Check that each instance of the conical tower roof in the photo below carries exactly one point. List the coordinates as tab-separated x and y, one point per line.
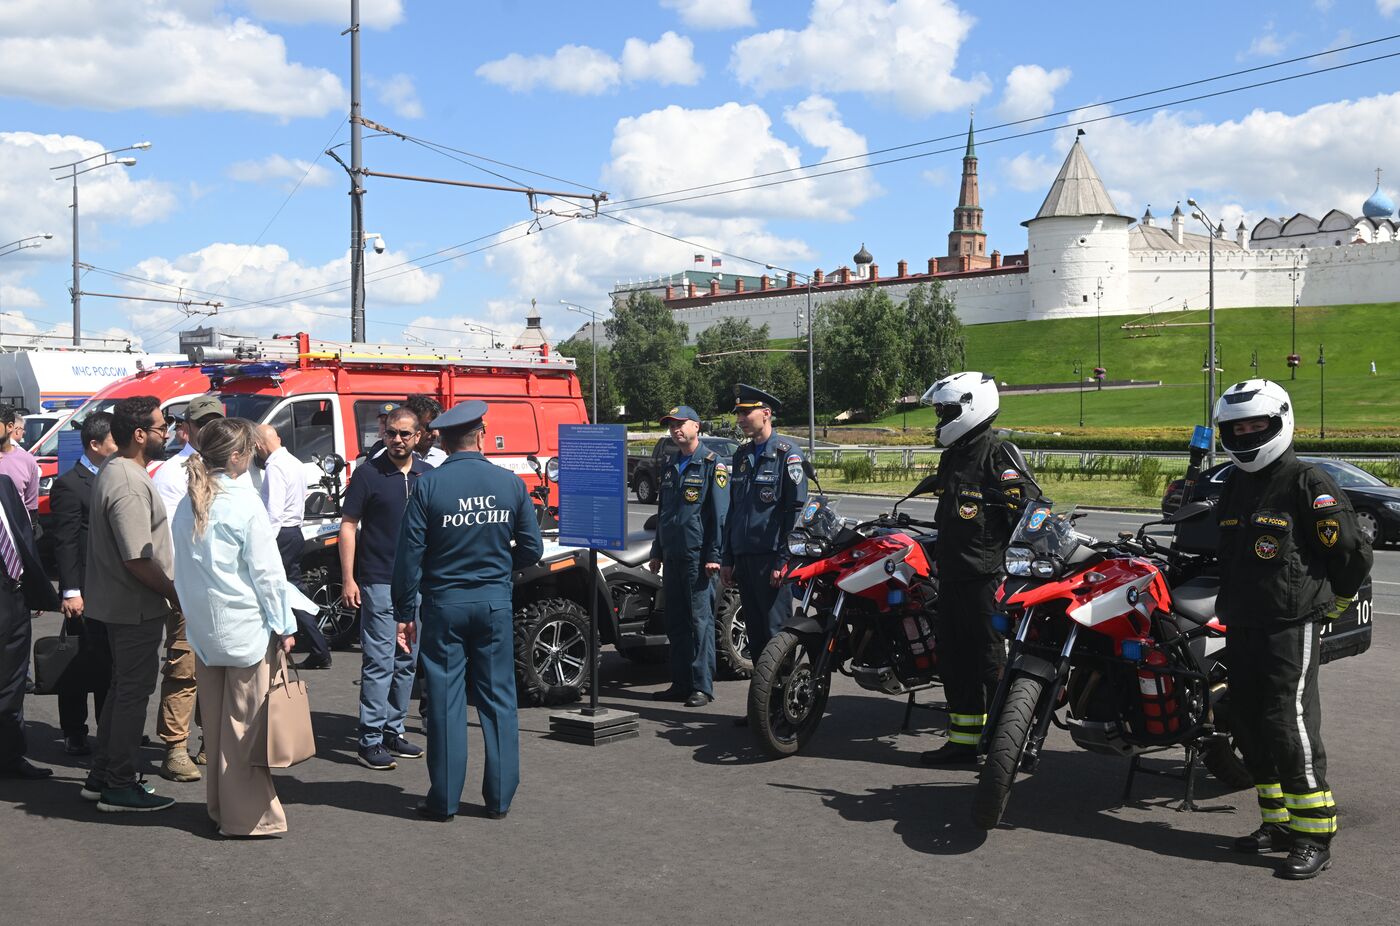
1077	190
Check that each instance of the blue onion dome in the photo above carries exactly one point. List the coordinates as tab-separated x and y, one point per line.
1379	206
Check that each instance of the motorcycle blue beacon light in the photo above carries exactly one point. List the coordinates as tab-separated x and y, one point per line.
896	596
1001	623
1132	650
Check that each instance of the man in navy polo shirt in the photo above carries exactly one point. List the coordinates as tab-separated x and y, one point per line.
374	504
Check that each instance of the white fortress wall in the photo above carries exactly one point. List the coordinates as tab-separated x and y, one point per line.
1347	275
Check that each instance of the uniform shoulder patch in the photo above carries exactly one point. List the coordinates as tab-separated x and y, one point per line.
721	475
1328	530
794	458
1009	474
1324	501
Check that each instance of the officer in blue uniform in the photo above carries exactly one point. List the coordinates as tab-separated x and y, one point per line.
770	488
689	536
468	526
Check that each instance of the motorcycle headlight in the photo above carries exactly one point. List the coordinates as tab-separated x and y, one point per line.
1390	506
797	544
551	469
1043	569
45	485
1018	562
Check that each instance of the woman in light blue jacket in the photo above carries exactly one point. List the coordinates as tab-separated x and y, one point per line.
237	606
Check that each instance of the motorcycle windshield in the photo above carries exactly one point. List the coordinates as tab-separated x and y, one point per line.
1043	542
820	519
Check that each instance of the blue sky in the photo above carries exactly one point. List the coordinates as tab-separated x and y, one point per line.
640	97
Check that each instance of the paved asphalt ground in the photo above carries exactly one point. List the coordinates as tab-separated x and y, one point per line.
688	824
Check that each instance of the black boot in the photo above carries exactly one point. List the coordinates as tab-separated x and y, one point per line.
1268	838
1308	859
950	754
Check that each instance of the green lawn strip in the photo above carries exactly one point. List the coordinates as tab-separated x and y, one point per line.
1109	493
1045	351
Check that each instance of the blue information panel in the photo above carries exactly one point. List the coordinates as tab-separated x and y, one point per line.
593	486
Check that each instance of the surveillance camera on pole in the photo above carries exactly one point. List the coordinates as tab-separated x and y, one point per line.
379	246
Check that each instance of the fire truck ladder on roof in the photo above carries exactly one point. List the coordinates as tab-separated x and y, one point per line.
290	351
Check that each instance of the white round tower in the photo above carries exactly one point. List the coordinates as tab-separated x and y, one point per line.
1078	245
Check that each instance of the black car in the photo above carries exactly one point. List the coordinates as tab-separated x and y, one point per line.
644	473
1376	502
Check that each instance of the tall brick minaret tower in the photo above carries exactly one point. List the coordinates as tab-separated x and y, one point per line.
967	243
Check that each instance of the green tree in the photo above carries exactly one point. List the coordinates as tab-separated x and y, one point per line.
936	346
719	374
647	355
861	351
581	350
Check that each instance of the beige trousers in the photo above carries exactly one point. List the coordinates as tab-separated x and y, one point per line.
177	686
233	703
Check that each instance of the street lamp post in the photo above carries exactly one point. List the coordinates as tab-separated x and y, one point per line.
811	366
1210	353
491	333
1293	358
593	325
73	171
23	243
1098	332
1322	392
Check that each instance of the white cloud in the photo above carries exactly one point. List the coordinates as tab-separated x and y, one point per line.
712	14
668	60
376	14
286	172
1387	7
900	51
17	297
1266	163
31	202
677	148
168	55
587	71
266	273
1268	44
399	94
571	69
1030	91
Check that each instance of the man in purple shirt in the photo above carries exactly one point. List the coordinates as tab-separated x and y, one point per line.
17	463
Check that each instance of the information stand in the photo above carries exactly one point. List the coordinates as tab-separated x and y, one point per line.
593	514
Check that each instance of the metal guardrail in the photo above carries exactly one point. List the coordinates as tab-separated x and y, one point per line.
907	456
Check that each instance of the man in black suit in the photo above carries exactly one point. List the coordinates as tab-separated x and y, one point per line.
91	670
23	588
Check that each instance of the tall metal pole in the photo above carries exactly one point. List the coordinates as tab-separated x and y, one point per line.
1322	391
811	379
1098	330
357	220
77	291
594	377
1293	367
1210	375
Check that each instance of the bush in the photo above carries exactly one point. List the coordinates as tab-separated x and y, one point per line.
858	469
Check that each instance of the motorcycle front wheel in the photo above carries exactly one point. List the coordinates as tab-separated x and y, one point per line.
786	698
1004	753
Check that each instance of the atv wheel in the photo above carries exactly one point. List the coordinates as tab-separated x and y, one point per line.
1004	755
551	652
732	658
786	699
338	624
646	490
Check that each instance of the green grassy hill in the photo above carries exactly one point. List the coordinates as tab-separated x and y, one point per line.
1046	351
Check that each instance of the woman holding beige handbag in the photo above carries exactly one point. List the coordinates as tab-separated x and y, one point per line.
238	616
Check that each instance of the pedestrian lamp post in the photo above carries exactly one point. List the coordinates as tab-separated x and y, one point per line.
1079	378
594	318
74	169
1205	220
1099	371
1322	392
1293	358
811	366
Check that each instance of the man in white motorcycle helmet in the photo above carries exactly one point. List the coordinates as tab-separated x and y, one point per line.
981	481
1293	558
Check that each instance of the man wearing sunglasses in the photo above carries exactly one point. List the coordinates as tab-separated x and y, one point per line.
369	536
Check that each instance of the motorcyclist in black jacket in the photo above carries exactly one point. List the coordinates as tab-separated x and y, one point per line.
1291	557
981	481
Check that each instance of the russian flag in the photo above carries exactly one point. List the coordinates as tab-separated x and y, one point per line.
714	261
